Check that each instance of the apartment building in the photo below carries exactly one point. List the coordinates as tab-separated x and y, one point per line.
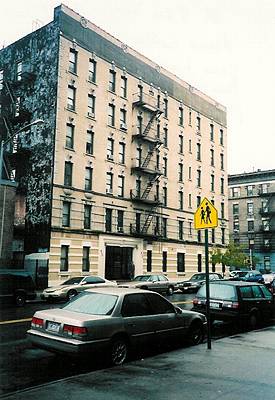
126	153
251	215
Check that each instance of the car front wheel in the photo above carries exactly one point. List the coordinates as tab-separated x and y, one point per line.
119	351
170	290
20	299
195	334
71	294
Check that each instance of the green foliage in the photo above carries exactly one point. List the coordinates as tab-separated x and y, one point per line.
233	256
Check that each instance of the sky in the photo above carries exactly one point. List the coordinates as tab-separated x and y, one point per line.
225	48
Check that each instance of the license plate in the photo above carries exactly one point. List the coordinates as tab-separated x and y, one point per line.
214	305
53	326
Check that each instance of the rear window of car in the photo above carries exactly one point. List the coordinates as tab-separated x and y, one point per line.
92	303
219	291
72	281
93	279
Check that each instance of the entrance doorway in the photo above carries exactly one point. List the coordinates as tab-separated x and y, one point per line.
119	263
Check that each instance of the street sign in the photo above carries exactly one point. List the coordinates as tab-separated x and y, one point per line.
206	215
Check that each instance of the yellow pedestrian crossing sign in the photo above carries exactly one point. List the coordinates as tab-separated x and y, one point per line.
206	215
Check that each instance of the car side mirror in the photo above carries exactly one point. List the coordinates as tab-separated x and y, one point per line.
83	283
178	310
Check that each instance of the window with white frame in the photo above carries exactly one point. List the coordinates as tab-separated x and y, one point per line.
89	142
19	70
121	180
123	119
111	115
123	87
250	208
73	61
110	148
71	98
92	70
121	154
112	80
181	144
91	106
86	259
109	182
70	136
87	216
88	178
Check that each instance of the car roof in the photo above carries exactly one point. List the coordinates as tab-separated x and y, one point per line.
233	283
115	290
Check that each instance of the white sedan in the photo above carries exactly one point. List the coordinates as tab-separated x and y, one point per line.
71	287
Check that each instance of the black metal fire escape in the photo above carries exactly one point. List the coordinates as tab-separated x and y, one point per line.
146	168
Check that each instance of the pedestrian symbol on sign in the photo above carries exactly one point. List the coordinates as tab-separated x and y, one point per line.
206	215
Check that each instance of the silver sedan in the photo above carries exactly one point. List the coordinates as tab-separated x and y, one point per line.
116	319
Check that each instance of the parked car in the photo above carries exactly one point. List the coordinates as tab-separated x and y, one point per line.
114	319
248	302
253	276
155	282
16	287
196	281
71	287
237	274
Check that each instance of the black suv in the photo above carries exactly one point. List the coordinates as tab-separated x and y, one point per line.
16	287
248	303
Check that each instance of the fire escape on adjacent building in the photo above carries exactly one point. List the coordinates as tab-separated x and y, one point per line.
267	211
146	169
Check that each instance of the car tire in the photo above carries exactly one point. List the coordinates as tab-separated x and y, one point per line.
71	294
195	334
170	290
119	351
253	321
20	299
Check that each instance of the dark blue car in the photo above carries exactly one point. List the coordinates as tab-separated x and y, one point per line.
252	276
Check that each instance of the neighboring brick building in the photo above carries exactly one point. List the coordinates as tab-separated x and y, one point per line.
127	152
252	215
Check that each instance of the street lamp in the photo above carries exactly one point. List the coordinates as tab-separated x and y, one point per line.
4	142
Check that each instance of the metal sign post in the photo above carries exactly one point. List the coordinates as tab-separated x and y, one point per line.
206	217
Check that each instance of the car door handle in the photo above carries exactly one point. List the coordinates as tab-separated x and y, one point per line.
131	324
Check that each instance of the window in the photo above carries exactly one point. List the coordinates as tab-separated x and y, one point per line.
198	126
190	173
19	68
164	189
198	200
158	101
246	292
110	148
121	180
222	185
181	200
236	224
212	183
212	157
180	230
180	116
190	118
165	110
135	305
199	178
180	172
149	260
66	213
250	208
235	192
165	137
190	200
111	115
265	207
64	258
190	227
88	178
264	188
158	131
139	125
265	222
91	106
180	262
222	160
250	226
121	154
190	146
223	235
68	173
1	78
120	219
212	132
108	220
86	259
73	61
138	187
222	210
71	98
159	304
123	87
112	80
109	183
92	71
138	219
70	136
164	261
157	161
198	151
123	119
249	190
17	106
221	137
165	166
235	208
199	262
90	142
87	216
164	227
181	144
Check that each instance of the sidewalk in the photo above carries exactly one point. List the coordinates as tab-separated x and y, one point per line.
240	367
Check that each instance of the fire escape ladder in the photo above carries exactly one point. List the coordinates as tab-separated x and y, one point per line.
147	190
148	220
10	92
148	157
154	116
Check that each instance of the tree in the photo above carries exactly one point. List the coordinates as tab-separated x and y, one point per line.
216	256
234	256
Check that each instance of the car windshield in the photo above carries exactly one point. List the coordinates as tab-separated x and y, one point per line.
92	303
72	281
198	277
225	292
142	278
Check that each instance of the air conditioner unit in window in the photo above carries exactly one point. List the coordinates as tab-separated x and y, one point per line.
120	229
110	157
123	126
91	114
109	191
